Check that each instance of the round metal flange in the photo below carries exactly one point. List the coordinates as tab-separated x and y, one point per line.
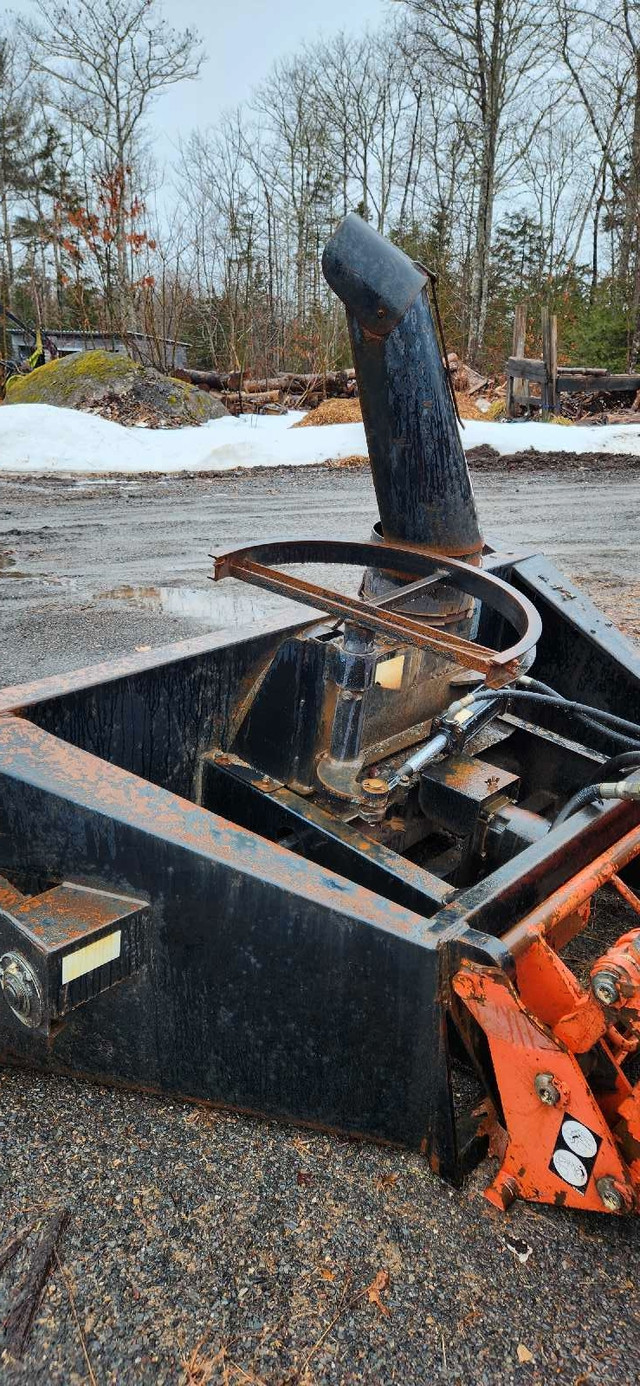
253	565
21	989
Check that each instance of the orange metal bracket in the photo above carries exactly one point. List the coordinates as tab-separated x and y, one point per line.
561	1147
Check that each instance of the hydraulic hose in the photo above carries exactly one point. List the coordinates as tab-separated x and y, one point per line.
603	720
626	743
629	760
596	715
593	722
591	793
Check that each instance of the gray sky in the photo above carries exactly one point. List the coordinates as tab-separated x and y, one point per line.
242	39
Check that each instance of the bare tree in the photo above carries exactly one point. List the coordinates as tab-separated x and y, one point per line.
105	61
494	52
600	47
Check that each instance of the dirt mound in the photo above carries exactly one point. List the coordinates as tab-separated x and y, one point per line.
117	388
488	459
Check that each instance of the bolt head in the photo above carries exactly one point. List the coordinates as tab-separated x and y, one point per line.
605	988
375	786
547	1089
21	989
612	1197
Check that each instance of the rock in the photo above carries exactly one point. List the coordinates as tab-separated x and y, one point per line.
114	386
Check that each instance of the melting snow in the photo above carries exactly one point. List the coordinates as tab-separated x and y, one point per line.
42	438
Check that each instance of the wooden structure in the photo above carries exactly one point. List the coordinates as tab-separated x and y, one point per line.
553	380
69	341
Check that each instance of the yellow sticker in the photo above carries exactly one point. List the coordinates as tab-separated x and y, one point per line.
389	672
104	950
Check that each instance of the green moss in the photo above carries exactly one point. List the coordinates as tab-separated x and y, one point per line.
65	380
90	378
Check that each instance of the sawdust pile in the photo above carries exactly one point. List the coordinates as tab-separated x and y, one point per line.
468	408
355	459
337	411
332	411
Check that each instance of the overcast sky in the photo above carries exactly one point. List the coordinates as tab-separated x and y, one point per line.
242	39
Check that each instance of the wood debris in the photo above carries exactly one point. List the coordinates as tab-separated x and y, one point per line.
28	1293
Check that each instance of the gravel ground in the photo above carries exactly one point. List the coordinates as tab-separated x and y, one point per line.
250	1245
205	1246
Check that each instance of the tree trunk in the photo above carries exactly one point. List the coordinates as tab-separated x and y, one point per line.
632	194
8	245
482	249
634	341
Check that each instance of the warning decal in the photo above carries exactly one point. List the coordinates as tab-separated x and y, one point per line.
574	1153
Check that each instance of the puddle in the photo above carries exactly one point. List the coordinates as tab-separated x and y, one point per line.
218	608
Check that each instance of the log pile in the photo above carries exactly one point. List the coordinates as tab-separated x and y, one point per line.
272	394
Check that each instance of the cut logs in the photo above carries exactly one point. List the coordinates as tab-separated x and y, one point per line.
289	390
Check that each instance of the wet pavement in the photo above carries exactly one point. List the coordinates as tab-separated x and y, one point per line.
92	568
239	1247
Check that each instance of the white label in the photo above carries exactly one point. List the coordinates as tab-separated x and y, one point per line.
104	950
570	1168
579	1139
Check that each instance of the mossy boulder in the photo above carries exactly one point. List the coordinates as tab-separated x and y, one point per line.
103	382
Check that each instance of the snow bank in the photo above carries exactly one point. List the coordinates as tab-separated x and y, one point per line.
42	438
508	438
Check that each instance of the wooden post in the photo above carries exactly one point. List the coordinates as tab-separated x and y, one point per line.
517	389
550	358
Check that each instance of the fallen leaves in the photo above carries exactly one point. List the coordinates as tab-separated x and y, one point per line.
386	1181
199	1370
379	1285
373	1293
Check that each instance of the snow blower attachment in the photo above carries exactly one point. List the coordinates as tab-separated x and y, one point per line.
365	872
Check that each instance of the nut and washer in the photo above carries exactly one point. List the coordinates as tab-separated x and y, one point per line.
605	988
547	1089
21	989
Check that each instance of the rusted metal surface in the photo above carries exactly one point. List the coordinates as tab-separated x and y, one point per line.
569	898
269	978
273	809
64	946
250	565
41	760
627	894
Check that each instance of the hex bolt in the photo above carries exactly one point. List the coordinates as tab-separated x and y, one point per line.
611	1195
508	1191
604	986
547	1090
